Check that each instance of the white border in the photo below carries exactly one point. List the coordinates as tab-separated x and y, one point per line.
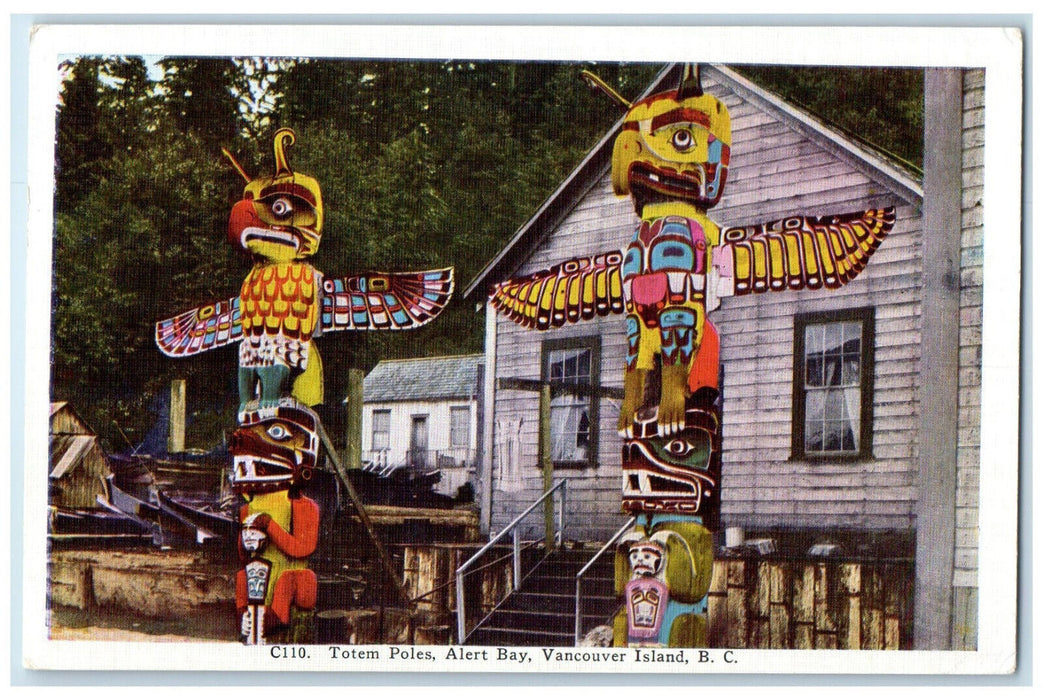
999	51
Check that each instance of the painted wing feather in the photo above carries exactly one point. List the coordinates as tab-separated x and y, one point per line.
801	252
385	300
572	291
200	329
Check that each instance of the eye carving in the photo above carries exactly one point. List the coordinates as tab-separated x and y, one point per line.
679	448
282	207
278	432
682	140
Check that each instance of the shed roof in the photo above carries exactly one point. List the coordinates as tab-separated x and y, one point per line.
423	379
873	163
68	451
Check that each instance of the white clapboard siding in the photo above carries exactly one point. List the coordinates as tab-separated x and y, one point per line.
965	574
776	171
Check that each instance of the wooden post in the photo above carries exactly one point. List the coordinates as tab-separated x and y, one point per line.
548	467
176	437
353	441
780	599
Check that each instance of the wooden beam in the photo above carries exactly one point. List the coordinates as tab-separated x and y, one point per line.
547	465
557	388
176	437
353	440
385	558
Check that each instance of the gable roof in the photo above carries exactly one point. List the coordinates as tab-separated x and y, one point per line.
871	162
423	379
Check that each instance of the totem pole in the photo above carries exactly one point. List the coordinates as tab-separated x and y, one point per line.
285	303
672	158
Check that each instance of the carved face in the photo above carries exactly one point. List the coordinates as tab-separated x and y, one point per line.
274	448
673	149
253	540
646	558
679	473
279	218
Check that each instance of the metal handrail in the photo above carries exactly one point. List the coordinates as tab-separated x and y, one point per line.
579	576
461	617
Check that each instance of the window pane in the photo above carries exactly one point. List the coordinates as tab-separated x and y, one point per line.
852	371
381	430
831	439
459	426
569	368
813	339
834	337
570	413
813	435
833	373
583	365
814	371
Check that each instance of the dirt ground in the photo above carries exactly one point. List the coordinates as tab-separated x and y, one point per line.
102	626
111	634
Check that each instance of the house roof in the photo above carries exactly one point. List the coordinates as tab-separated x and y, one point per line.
423	379
67	451
873	163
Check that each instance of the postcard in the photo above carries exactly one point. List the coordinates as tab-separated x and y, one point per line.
546	349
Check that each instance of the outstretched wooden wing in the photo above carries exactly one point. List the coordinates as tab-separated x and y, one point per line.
572	291
385	300
800	252
200	329
371	301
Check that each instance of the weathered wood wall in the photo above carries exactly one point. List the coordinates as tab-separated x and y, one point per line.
968	452
779	604
777	170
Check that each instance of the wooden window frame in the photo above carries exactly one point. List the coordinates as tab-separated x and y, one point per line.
593	344
373	429
867	318
457	408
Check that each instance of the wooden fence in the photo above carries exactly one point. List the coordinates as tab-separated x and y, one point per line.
793	604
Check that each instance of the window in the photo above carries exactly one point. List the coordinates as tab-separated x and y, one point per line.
833	385
381	430
573	416
459	426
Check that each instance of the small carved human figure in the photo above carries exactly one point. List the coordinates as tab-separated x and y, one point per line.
663	574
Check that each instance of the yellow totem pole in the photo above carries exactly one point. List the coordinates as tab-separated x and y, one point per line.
671	158
283	304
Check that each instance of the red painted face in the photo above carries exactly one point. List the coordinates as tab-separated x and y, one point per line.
274	449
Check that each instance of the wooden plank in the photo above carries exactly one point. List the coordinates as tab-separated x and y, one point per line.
872	612
736	634
176	435
804	595
717	605
779	596
825	640
803	636
825	621
397	515
719	577
353	424
850	612
779	622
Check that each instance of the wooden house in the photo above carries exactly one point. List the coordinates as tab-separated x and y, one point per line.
78	466
895	471
422	413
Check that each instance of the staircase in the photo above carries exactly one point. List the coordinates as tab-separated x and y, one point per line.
542	611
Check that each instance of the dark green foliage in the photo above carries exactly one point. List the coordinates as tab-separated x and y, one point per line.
880	106
421	164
